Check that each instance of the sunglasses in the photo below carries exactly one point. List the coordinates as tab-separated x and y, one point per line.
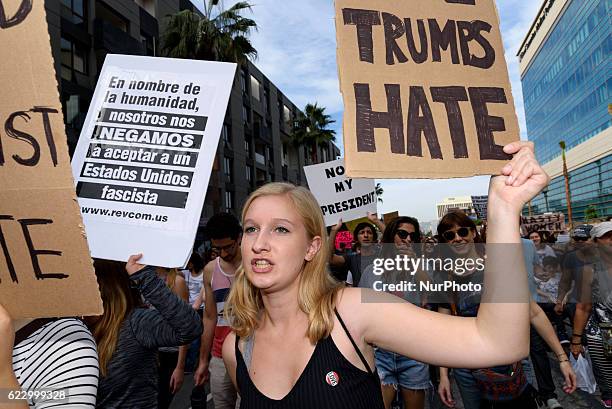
403	234
461	232
581	238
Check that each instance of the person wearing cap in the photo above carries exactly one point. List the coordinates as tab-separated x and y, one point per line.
582	233
593	318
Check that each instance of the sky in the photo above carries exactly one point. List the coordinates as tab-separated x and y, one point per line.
296	44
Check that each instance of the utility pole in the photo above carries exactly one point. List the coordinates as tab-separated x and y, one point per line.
568	196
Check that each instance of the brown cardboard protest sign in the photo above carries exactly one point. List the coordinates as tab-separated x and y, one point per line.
425	87
388	217
551	222
45	268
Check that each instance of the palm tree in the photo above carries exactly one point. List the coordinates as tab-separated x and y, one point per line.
220	35
568	195
310	129
379	191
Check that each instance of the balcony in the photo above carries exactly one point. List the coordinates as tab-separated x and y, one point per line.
259	158
113	39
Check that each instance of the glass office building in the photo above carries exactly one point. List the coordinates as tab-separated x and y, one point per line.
567	86
590	187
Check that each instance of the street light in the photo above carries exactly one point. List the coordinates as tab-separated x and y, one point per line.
568	197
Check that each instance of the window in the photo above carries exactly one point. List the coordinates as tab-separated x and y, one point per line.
286	113
73	57
107	14
243	82
325	155
148	5
149	44
267	100
226	134
258	125
280	110
255	88
229	200
75	109
247	148
227	168
246	114
285	156
249	174
74	11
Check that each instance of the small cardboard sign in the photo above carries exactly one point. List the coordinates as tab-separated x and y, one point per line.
340	197
480	206
45	267
388	217
553	222
145	154
425	87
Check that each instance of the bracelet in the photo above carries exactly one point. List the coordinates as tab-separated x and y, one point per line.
576	335
576	343
564	360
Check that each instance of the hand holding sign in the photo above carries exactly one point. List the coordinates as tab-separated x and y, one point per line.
132	266
522	179
338	225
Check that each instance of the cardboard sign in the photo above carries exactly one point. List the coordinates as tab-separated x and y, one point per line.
388	217
425	87
554	222
480	206
45	267
351	225
340	197
145	154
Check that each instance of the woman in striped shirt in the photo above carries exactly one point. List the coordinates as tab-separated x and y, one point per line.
56	361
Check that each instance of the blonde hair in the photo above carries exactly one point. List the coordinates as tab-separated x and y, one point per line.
317	288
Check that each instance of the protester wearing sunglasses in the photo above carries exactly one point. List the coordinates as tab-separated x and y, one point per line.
477	391
398	372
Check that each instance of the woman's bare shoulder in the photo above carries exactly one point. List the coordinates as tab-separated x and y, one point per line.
228	350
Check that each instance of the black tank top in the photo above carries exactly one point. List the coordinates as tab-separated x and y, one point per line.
329	381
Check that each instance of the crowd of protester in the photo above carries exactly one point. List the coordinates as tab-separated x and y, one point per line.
278	276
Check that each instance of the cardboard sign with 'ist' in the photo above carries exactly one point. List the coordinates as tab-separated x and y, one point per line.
426	88
45	267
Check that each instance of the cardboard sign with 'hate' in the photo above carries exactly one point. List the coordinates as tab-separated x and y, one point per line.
425	87
45	267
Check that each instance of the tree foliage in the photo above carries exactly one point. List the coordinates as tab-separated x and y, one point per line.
311	129
220	35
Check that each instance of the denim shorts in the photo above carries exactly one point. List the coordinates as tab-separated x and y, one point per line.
395	370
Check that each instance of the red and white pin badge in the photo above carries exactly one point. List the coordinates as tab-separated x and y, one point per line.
332	378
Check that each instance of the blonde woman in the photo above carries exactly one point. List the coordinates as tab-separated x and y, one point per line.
300	340
128	334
